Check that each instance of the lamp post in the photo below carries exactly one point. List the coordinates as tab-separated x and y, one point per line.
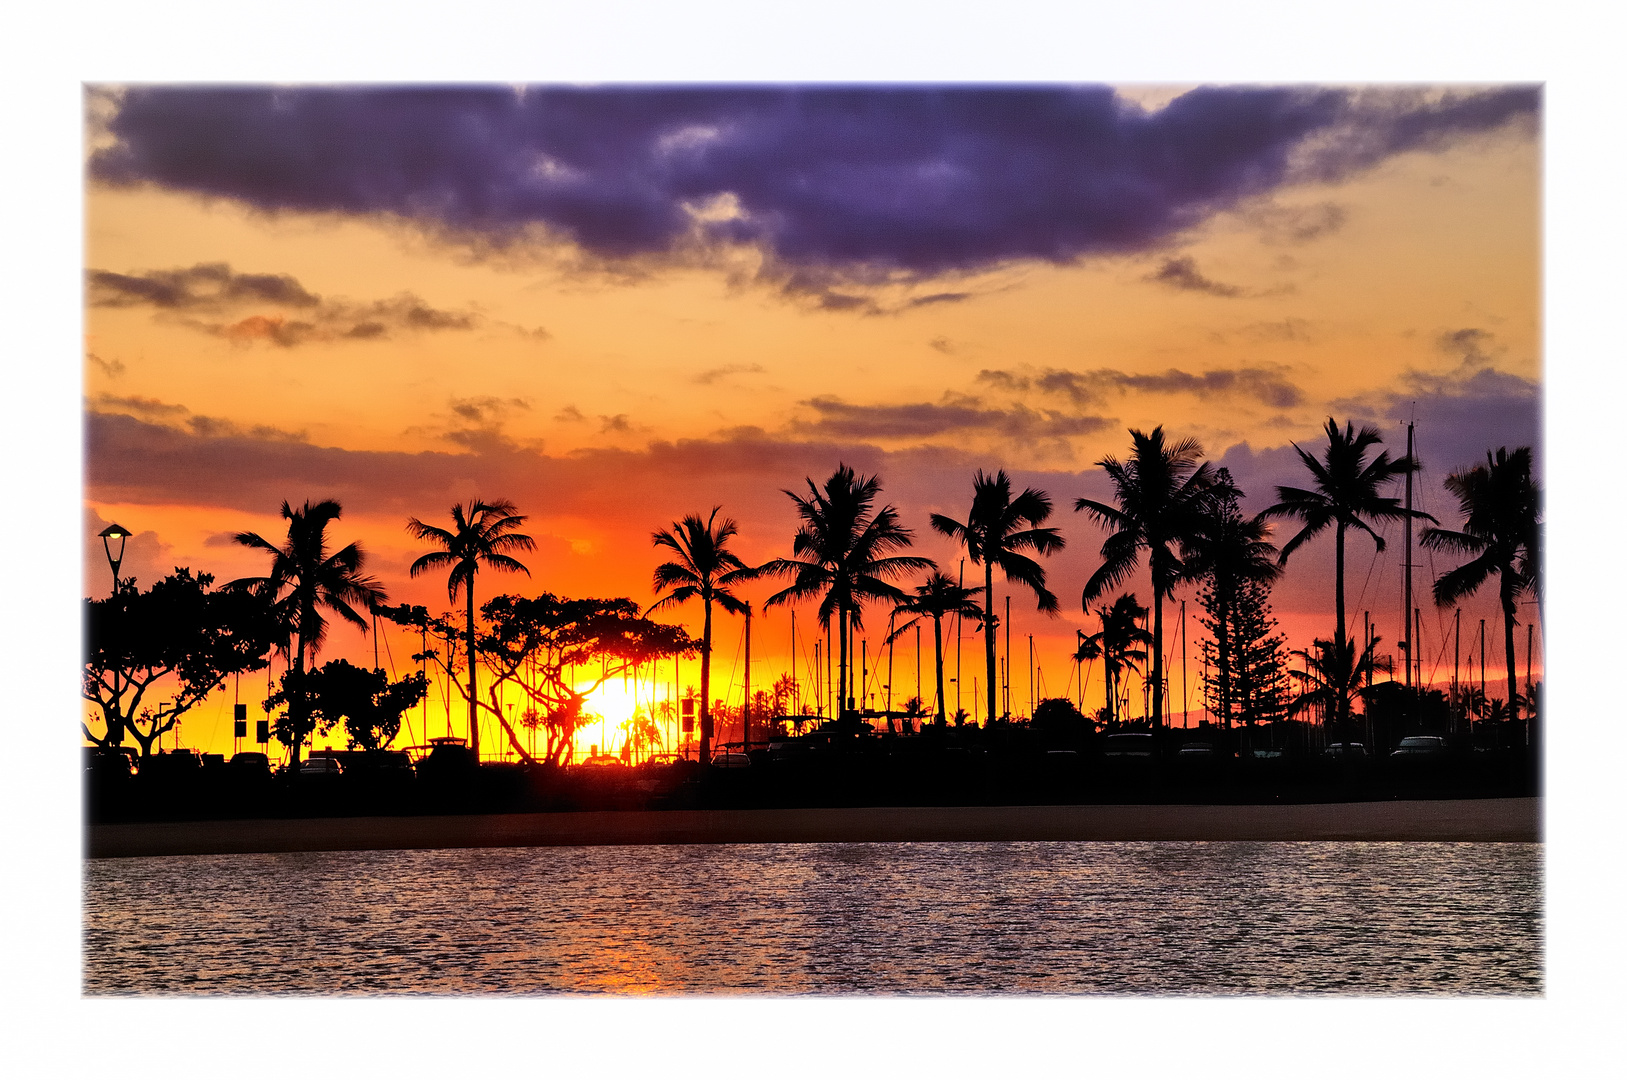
108	535
115	724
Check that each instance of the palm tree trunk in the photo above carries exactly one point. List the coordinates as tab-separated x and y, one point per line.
1508	648
298	707
706	684
937	652
474	714
1158	662
988	636
844	677
1342	708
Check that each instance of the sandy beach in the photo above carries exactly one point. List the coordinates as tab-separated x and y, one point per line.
1473	820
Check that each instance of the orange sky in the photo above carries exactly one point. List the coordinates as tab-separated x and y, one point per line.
608	394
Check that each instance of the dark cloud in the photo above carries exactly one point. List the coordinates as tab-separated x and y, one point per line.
614	424
145	407
486	410
1182	273
206	286
1267	384
712	375
188	295
570	414
926	420
111	368
1470	345
922	179
1289	329
176	416
943	345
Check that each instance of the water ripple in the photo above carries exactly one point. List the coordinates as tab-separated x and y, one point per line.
1048	918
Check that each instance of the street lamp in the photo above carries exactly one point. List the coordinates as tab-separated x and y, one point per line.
115	724
108	535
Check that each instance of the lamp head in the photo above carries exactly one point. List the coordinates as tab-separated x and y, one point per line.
114	532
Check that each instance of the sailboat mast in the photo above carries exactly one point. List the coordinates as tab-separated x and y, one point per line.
1406	607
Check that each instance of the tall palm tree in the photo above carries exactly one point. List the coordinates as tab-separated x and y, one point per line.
481	533
1345	495
1120	643
1502	523
996	532
1231	552
706	568
842	553
1164	493
304	580
939	596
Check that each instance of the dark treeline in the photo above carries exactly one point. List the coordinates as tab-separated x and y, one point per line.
1172	512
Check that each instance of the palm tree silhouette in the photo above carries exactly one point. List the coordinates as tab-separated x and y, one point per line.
1231	551
841	553
1502	525
1345	493
705	568
939	596
1334	674
481	533
994	535
304	579
1116	643
1164	494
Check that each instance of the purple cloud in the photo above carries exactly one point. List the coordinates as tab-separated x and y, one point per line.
920	179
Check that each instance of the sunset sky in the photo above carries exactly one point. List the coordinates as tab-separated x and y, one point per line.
615	306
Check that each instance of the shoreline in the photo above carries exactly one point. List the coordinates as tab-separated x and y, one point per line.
1514	820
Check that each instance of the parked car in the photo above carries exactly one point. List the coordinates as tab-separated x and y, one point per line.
1128	744
731	759
320	767
1420	746
1196	750
1355	751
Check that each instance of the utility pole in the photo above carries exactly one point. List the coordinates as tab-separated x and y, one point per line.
1006	675
1457	645
1417	641
957	642
1030	676
1186	701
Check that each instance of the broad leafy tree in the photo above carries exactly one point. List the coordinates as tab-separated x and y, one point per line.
306	580
996	533
1334	675
367	702
152	656
482	534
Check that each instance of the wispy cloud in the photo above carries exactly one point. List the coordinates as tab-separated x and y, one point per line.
191	295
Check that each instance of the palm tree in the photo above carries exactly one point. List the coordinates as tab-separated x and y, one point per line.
304	579
1345	496
482	532
1231	551
1117	644
996	532
1502	522
1164	494
1334	674
708	569
938	597
842	554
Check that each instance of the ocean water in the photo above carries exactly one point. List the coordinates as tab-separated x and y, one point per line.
920	918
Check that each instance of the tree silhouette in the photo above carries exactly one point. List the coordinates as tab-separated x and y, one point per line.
179	632
1334	674
1231	552
996	532
481	533
1502	523
1120	643
841	553
1164	495
938	597
1345	495
705	568
303	581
